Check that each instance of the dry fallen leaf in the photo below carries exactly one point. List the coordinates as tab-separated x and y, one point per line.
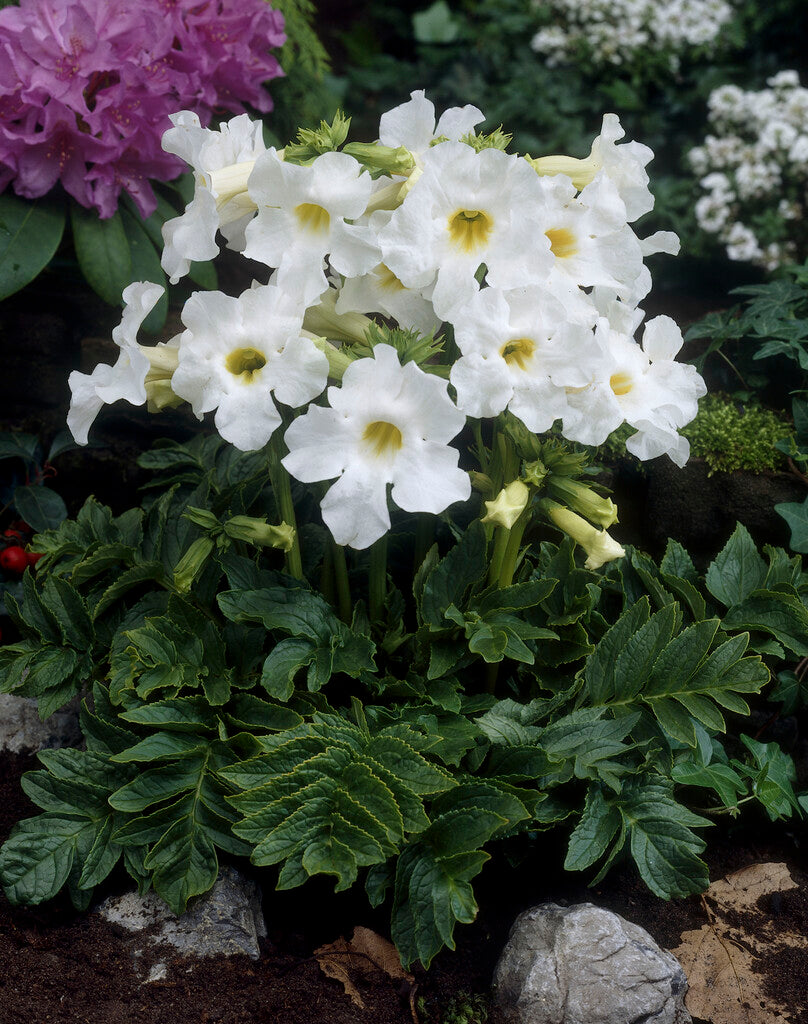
719	959
365	953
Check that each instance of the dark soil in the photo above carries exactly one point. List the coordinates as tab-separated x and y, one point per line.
61	966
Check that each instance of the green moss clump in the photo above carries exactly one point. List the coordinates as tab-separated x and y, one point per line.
729	438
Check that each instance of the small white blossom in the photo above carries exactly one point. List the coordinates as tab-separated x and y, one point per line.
387	424
235	354
126	380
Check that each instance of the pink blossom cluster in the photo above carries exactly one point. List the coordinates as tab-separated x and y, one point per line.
86	87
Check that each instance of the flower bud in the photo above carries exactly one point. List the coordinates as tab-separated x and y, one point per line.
583	499
230	183
580	172
324	321
192	563
258	531
534	473
381	158
508	505
481	482
600	548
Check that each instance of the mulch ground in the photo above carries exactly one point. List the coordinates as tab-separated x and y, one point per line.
60	966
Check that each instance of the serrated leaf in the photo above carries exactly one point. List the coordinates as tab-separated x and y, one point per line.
448	581
662	841
777	773
781	615
36	860
677	562
721	778
162	745
600	666
183	862
592	836
737	570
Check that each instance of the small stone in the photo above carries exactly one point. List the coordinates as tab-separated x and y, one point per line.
23	731
585	965
223	922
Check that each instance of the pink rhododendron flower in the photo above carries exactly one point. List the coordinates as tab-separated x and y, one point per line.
86	87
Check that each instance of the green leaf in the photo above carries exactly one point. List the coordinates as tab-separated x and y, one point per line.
447	583
183	862
737	571
599	824
677	562
40	507
36	860
773	784
600	666
662	841
722	779
103	252
782	615
30	233
795	514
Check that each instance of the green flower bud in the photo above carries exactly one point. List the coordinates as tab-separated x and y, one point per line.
583	499
381	158
201	517
508	505
534	473
481	482
259	532
192	563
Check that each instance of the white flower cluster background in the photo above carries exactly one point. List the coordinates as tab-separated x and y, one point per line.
619	31
533	264
753	170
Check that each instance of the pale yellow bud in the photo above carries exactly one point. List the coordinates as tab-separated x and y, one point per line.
597	509
324	321
508	505
600	548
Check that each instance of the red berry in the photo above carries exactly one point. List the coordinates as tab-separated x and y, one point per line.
13	559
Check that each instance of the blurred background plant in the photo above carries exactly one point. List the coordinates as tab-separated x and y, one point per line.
85	94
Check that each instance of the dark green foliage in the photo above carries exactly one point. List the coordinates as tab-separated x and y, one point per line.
245	716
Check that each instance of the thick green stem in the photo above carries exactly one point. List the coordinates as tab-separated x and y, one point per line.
511	556
282	490
377	579
498	554
344	603
424	539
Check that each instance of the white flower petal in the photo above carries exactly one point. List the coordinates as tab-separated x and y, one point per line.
428	479
355	508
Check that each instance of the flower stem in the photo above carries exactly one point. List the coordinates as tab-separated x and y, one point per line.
344	603
377	579
511	555
282	490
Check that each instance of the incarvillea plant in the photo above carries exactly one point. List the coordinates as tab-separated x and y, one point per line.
247	716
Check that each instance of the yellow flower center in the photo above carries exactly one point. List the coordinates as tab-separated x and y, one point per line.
469	229
245	363
562	242
518	352
382	438
621	383
387	279
312	217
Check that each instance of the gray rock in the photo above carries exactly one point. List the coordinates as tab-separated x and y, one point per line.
223	922
584	965
23	731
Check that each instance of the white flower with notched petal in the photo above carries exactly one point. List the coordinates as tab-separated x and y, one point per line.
521	350
468	209
590	237
235	354
412	124
642	386
304	215
388	424
126	380
221	161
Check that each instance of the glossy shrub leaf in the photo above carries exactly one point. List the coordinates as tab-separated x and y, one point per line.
41	507
103	252
30	233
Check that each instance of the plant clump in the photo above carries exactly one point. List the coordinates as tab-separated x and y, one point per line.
729	437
